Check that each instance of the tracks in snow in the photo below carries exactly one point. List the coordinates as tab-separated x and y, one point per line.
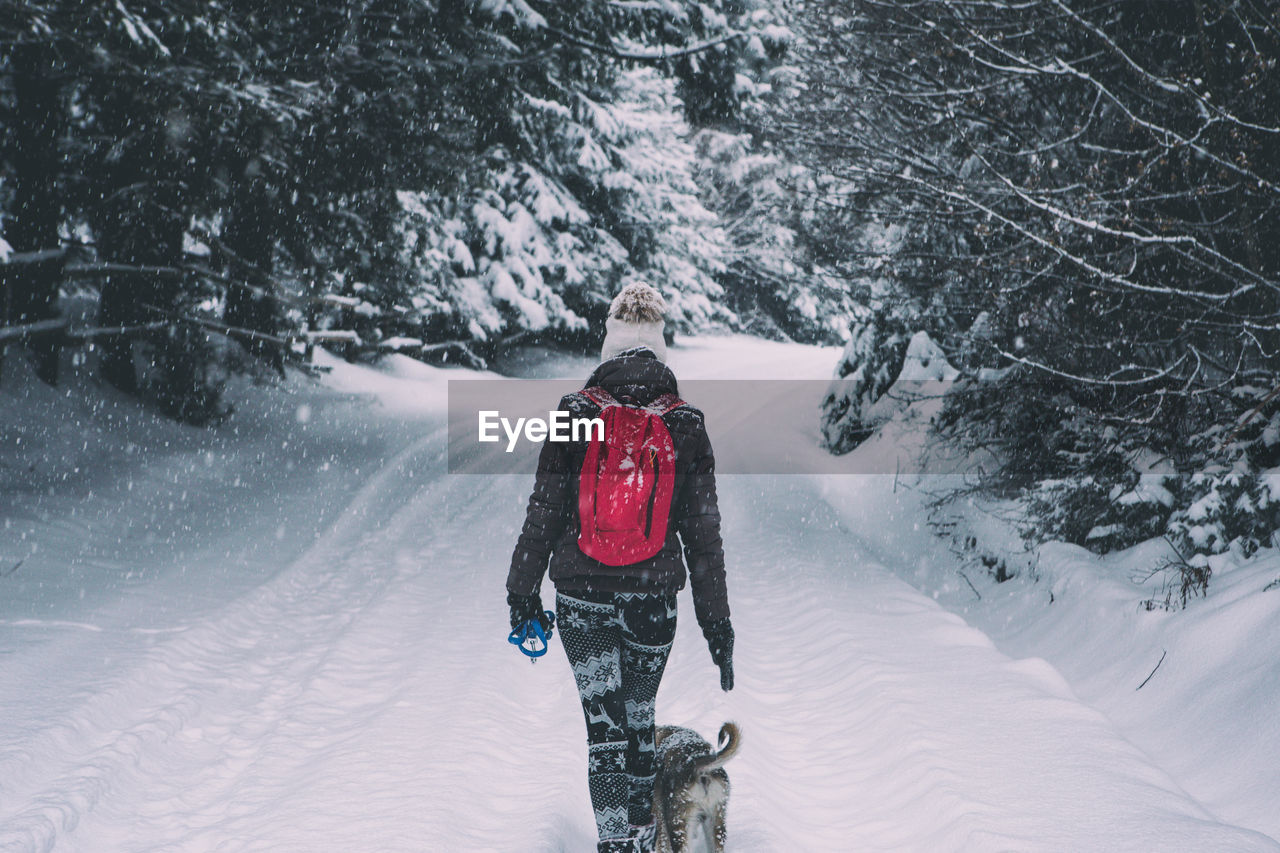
364	699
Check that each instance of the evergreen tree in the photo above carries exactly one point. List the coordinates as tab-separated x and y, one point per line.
1080	190
445	171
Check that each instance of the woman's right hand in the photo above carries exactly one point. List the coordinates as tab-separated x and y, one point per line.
719	634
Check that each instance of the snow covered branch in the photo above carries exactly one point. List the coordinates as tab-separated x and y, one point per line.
660	54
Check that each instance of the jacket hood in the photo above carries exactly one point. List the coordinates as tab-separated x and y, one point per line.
636	375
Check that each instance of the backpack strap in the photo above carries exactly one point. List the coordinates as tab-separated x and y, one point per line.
659	405
599	396
666	403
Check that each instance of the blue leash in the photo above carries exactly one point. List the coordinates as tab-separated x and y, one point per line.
530	639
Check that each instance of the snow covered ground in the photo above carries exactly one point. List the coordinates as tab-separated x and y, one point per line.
1195	689
289	634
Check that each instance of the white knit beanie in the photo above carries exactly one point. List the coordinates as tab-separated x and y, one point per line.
635	320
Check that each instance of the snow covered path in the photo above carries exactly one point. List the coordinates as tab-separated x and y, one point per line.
363	698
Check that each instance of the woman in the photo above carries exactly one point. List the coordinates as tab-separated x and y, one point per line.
617	622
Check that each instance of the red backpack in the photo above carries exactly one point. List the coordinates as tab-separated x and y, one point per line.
627	480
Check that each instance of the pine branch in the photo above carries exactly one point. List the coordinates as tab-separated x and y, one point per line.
657	56
32	330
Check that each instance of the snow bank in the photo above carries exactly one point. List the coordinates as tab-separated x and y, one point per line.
1205	710
1196	689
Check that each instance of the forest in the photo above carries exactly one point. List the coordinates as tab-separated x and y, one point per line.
1077	202
946	338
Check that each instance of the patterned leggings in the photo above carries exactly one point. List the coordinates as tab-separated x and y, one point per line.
618	644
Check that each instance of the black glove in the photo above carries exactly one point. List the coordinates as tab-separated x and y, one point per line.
719	636
526	607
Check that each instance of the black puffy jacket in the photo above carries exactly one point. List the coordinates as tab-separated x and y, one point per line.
551	524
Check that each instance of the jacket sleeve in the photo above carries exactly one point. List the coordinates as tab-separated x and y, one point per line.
545	519
699	527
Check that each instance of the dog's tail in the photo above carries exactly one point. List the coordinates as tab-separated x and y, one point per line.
730	740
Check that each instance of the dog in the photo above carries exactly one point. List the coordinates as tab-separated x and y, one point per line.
691	789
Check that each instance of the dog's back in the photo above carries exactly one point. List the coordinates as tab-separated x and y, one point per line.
691	791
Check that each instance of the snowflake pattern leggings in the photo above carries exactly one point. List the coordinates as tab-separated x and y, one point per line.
618	644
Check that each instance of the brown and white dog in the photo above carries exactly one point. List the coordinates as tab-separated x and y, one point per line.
691	790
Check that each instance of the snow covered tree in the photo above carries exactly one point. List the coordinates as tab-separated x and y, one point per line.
445	170
772	279
1230	502
35	121
1092	181
871	362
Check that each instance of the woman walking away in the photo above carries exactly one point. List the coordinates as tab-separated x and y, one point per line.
612	519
